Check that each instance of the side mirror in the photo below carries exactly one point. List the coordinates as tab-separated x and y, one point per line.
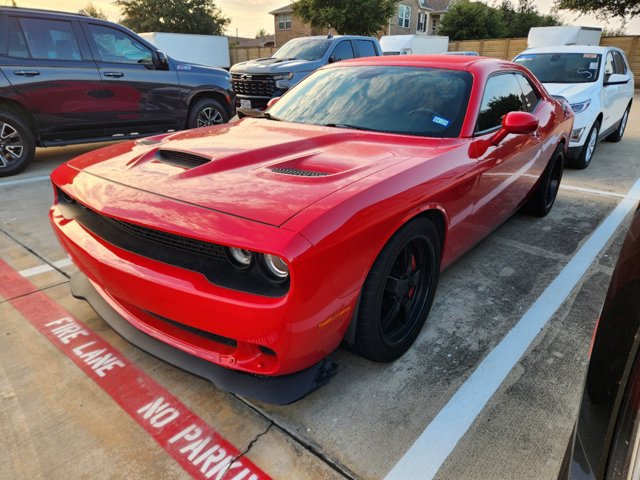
162	61
617	79
272	102
333	59
516	123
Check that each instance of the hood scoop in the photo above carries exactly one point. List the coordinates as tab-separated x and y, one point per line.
298	172
181	159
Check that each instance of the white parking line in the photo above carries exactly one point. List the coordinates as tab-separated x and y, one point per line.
604	193
23	181
433	446
30	272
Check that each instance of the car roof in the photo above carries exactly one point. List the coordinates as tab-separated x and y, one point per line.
333	37
41	11
570	49
452	62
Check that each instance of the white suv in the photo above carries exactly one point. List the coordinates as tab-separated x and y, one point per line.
598	84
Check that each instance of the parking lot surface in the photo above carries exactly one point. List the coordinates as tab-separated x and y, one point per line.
490	390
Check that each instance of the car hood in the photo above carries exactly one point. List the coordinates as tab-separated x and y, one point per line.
184	68
275	66
573	92
262	170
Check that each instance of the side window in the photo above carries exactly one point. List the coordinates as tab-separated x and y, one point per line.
609	67
501	96
16	44
117	47
343	51
365	48
44	39
619	63
529	94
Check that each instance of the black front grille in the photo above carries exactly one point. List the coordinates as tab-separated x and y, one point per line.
299	173
253	85
196	331
206	258
181	159
171	240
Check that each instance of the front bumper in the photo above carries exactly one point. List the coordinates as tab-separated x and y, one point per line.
279	390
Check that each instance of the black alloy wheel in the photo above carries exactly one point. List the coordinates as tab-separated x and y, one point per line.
17	147
544	196
207	112
398	292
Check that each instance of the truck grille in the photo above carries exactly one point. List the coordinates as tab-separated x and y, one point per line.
253	85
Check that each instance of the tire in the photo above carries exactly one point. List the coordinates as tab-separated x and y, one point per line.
206	112
617	135
588	149
398	293
17	144
541	203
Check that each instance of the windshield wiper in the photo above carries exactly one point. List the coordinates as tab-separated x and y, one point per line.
268	116
346	125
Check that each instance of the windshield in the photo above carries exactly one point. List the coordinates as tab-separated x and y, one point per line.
406	100
562	67
303	49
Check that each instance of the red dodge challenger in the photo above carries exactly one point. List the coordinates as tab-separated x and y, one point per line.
246	253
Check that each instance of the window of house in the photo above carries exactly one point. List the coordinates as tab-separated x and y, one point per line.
404	16
433	29
284	21
422	22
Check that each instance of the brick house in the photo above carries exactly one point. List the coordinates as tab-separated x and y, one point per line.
421	17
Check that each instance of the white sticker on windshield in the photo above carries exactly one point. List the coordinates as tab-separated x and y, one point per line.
593	66
440	121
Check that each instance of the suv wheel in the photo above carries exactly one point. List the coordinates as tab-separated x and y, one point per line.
17	145
617	135
586	154
206	112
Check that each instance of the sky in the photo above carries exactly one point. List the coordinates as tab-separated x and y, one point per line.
249	16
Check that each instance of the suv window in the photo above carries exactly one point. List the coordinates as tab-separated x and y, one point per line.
619	63
42	39
365	48
529	94
609	67
114	46
501	96
343	51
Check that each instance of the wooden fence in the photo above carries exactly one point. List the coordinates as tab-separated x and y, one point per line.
507	48
242	54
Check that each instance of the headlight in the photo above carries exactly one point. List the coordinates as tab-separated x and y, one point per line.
240	257
580	107
275	268
282	80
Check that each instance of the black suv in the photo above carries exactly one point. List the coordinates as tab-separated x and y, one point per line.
69	78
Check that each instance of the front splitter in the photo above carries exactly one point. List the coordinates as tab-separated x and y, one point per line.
279	390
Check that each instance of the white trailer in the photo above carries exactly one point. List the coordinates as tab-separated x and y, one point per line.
413	44
209	50
563	35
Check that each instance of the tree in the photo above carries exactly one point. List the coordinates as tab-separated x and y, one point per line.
467	20
261	33
91	10
355	17
518	20
603	8
173	16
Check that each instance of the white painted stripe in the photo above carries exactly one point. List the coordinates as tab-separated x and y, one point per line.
30	272
23	181
433	446
595	192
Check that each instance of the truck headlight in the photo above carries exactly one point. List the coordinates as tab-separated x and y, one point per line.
580	106
282	80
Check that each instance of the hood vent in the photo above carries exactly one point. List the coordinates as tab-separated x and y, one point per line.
181	159
299	173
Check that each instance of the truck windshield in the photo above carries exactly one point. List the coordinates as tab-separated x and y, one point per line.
418	101
562	67
303	49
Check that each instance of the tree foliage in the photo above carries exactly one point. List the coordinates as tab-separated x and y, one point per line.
355	17
467	20
93	11
603	8
173	16
261	33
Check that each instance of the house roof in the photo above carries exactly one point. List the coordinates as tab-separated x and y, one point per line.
436	5
285	9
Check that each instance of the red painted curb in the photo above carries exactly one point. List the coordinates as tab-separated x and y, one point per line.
197	447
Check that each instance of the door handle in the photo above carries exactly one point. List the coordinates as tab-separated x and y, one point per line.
113	74
26	73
